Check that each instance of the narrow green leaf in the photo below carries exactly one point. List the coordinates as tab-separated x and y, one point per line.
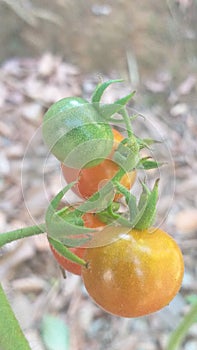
11	335
55	333
98	92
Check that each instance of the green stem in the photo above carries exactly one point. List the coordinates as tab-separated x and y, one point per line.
180	332
127	121
11	335
10	236
123	190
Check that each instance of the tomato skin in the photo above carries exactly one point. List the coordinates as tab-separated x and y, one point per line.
91	179
75	133
91	221
138	274
66	264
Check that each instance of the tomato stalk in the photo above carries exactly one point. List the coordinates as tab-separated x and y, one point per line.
127	121
14	235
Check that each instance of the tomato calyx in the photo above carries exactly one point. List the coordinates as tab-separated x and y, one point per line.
67	229
66	252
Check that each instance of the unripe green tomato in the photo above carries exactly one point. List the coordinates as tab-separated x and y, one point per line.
76	134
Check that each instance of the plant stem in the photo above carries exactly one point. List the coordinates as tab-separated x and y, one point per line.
10	236
11	335
127	121
180	332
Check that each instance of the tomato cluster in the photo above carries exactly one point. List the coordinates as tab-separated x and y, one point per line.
132	269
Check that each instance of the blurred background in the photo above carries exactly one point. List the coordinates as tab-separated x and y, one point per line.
53	49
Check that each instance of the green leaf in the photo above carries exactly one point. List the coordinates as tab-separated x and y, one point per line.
55	333
98	92
11	335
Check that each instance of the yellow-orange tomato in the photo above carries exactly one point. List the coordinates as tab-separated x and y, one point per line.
90	180
136	275
90	220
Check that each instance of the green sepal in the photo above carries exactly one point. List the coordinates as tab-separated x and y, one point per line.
101	87
51	210
66	252
100	200
124	100
148	163
126	156
137	211
123	190
109	215
106	111
133	209
146	143
147	206
63	230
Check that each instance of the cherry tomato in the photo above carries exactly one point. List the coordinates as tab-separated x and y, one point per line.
136	275
76	134
90	220
90	180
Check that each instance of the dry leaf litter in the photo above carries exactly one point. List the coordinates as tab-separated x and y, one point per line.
29	177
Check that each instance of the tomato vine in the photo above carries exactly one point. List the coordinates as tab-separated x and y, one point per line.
119	249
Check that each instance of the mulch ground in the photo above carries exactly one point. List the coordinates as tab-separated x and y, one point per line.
29	177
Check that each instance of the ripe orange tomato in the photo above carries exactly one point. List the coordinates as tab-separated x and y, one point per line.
90	180
90	220
136	275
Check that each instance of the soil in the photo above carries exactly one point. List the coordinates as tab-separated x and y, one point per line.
31	79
